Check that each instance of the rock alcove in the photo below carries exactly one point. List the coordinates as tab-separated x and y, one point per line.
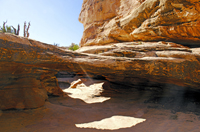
138	59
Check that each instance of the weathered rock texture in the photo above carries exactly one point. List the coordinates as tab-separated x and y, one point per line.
23	83
140	63
28	68
108	21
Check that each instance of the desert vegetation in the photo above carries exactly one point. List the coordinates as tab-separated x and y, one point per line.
6	28
11	29
73	47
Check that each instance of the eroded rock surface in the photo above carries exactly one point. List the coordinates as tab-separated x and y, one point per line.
135	63
108	21
29	68
25	84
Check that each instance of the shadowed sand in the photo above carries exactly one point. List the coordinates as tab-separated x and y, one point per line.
125	110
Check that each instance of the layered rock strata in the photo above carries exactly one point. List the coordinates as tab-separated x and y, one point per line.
134	63
29	68
25	84
111	21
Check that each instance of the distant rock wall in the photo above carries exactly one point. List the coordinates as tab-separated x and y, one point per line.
108	21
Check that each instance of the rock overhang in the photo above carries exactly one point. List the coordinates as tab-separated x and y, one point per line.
147	20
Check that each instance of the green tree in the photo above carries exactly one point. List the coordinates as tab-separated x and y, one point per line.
73	47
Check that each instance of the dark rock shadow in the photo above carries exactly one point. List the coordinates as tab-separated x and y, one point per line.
159	95
158	103
63	85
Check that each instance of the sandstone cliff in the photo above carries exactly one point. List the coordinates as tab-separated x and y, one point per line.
109	21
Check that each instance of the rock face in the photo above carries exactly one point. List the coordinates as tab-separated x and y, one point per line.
28	68
111	21
24	84
140	63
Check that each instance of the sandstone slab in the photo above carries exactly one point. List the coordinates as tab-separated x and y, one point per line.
30	67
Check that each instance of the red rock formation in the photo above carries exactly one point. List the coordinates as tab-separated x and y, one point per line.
28	67
108	21
23	83
134	63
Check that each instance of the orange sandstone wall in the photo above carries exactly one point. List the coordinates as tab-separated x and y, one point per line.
108	21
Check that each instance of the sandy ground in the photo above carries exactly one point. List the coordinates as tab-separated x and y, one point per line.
104	108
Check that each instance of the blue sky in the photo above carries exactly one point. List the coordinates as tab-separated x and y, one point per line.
52	21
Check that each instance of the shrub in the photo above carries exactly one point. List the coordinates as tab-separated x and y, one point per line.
6	29
73	47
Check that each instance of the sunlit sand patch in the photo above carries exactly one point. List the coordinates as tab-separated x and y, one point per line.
89	94
113	123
